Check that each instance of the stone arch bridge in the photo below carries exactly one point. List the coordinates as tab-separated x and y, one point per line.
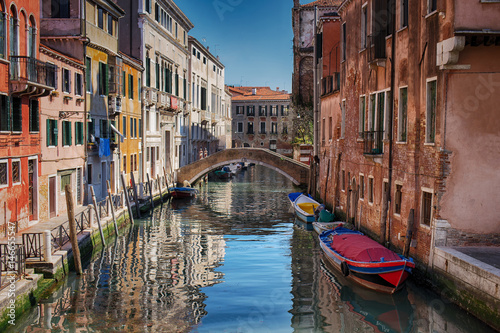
296	171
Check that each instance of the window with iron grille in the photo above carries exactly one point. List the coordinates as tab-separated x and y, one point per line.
16	172
426	208
398	199
4	173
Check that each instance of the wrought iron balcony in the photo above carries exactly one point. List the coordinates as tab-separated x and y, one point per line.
27	73
373	142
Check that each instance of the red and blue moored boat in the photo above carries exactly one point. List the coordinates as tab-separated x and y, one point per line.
182	192
365	261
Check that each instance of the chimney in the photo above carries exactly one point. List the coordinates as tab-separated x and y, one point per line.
277	88
254	91
208	48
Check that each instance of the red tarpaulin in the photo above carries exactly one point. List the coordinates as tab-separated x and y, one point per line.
361	248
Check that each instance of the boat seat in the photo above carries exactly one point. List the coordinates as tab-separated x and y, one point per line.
308	207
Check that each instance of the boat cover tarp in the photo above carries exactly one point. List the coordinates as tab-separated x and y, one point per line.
326	216
293	196
361	248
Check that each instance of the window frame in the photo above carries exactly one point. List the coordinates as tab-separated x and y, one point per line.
371	189
430	192
430	132
12	161
402	124
6	162
398	198
361	186
362	116
66	81
66	137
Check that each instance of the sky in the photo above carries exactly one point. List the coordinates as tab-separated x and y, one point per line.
253	38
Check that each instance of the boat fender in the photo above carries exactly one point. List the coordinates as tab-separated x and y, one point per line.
345	268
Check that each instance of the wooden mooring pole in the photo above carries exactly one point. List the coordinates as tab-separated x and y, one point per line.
150	191
72	230
98	216
110	196
127	200
166	180
137	208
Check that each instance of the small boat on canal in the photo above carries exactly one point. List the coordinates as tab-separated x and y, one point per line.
183	192
294	195
224	173
364	260
319	227
304	207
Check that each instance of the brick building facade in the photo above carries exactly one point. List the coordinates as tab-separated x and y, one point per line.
430	143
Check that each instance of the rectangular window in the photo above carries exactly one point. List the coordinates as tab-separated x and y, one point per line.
88	74
17	114
78	84
131	127
104	128
330	128
274	111
65	180
323	129
342	129
135	128
130	86
274	128
362	117
403	19
66	84
51	132
370	190
403	114
344	42
343	180
272	145
16	172
140	128
262	127
426	208
34	116
5	119
250	128
66	133
124	126
3	35
132	163
250	110
430	129
89	173
240	110
361	187
103	79
239	128
147	6
78	133
364	26
100	18
262	111
398	199
60	9
285	129
110	24
4	173
124	83
431	6
125	163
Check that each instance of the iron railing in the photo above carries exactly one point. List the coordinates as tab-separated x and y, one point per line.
33	245
12	263
33	70
373	142
60	234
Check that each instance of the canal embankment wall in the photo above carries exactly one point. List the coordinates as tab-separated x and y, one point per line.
42	277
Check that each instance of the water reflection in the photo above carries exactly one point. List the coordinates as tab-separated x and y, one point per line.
231	260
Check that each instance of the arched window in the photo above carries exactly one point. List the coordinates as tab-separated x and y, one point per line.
3	30
14	32
32	37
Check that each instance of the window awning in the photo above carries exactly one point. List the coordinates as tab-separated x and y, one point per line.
113	128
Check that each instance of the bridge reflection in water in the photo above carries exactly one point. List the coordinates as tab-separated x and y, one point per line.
230	260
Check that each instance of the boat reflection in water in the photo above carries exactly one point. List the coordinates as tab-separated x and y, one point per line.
381	312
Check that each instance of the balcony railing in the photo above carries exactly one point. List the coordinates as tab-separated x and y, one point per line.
373	142
33	71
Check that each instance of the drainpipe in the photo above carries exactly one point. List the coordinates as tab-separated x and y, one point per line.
385	235
315	88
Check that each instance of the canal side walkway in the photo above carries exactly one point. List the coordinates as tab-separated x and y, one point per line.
26	283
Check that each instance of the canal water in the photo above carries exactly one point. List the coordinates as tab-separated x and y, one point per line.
232	260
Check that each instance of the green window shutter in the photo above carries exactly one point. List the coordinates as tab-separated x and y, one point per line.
70	139
48	131
106	80
123	84
140	128
55	131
